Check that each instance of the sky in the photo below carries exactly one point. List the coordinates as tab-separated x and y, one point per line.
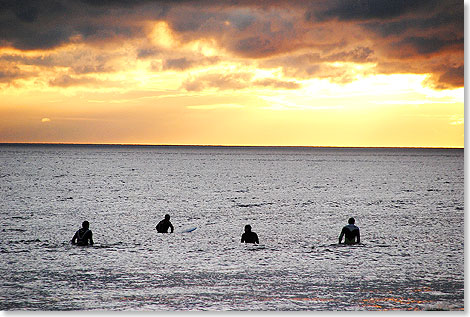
360	73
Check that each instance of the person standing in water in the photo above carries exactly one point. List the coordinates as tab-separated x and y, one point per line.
351	233
83	236
249	236
162	226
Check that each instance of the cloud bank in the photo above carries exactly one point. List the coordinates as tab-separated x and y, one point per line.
303	39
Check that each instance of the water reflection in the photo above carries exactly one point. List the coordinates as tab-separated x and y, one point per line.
411	256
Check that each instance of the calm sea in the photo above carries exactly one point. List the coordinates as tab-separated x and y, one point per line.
408	203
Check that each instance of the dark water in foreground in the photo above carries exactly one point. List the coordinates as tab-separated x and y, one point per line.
409	204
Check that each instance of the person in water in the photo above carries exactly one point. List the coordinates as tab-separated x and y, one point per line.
249	236
83	236
163	225
350	232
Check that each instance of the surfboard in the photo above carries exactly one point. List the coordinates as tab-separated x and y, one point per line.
189	230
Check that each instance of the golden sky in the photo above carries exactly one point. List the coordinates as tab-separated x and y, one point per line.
307	73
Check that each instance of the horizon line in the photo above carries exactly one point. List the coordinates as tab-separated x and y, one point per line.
225	145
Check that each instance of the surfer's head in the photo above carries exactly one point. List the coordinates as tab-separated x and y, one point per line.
167	217
85	224
247	228
351	221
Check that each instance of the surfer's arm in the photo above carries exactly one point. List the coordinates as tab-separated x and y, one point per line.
358	236
91	238
171	227
74	239
256	239
341	236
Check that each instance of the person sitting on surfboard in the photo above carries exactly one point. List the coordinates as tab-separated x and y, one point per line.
249	236
83	235
163	225
350	233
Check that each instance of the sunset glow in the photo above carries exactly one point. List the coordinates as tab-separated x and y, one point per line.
285	73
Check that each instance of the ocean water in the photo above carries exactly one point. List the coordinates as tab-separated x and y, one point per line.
409	204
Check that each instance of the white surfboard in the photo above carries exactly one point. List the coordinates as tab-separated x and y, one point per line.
189	230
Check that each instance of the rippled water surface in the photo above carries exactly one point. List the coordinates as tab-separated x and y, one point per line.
409	204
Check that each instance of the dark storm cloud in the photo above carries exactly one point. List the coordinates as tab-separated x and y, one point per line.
360	10
244	31
46	24
115	3
405	34
430	45
453	77
452	21
183	22
394	32
25	38
29	10
30	24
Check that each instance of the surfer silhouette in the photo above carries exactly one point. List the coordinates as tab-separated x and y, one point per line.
350	232
249	236
83	236
163	225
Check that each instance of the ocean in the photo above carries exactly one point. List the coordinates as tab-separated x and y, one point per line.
408	203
